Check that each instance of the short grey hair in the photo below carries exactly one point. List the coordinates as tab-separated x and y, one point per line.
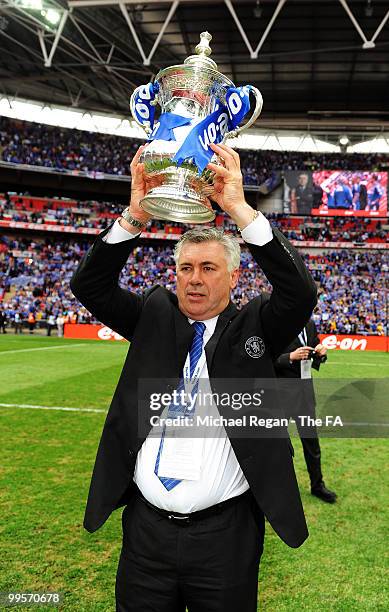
211	234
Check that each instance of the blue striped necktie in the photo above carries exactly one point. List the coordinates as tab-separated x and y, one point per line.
194	355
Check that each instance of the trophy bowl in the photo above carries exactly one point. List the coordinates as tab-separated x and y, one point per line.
199	106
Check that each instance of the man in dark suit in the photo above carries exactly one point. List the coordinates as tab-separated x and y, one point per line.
296	363
302	196
193	529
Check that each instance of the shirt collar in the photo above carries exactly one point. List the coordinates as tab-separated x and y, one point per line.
210	325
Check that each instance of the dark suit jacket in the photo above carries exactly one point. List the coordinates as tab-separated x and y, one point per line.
301	396
160	339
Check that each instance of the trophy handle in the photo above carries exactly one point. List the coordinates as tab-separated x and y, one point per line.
146	124
254	116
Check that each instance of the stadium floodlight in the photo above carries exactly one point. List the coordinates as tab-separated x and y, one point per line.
344	140
51	15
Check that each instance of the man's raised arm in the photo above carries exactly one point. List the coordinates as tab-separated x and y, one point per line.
96	281
294	292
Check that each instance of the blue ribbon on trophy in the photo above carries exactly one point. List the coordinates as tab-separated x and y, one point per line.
144	109
213	128
163	129
238	103
196	145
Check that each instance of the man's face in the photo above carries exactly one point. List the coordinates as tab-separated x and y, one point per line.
303	180
203	280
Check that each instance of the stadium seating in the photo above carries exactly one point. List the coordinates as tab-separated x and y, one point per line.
63	149
35	274
92	214
35	270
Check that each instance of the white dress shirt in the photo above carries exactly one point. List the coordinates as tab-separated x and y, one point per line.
258	232
221	477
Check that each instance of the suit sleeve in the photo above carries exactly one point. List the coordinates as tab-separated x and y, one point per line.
315	341
315	337
283	361
284	367
95	285
294	292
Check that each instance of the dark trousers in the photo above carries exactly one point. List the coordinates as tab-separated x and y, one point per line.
312	453
209	565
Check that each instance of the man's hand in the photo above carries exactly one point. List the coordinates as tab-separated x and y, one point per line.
300	353
228	186
320	350
139	188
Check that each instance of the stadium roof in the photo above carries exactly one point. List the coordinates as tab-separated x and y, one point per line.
321	65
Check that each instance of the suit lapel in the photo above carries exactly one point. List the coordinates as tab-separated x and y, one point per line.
184	335
224	318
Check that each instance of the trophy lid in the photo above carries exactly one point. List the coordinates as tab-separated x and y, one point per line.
203	50
198	72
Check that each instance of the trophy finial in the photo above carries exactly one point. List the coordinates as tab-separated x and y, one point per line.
203	47
203	51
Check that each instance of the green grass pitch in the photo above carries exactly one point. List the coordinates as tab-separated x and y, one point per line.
47	458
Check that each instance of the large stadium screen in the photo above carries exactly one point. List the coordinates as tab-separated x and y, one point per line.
336	192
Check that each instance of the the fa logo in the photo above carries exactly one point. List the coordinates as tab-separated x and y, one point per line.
255	347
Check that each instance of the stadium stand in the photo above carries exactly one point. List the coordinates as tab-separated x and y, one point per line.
91	214
35	274
62	149
37	261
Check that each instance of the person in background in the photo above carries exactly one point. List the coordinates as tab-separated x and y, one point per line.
317	195
60	324
18	322
3	321
302	196
362	195
342	196
50	323
297	360
31	322
356	188
375	194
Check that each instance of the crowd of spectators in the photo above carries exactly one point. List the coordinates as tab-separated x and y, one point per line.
24	142
63	149
35	275
353	292
336	229
97	215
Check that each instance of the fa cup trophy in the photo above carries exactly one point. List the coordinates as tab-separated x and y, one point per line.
199	106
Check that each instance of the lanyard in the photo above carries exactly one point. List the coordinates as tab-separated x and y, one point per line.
303	337
190	382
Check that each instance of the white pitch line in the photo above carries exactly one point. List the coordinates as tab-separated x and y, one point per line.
42	348
362	363
356	424
65	408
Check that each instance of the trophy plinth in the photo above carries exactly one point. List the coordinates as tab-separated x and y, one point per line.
165	204
199	105
180	197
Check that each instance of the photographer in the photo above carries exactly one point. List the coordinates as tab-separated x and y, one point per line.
297	362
